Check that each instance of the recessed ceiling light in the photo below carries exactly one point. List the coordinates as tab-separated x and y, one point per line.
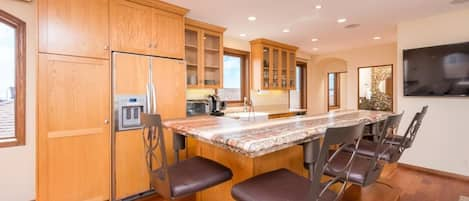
252	18
341	20
286	30
377	38
315	40
315	49
243	35
318	7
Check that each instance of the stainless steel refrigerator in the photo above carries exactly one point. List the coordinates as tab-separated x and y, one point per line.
140	83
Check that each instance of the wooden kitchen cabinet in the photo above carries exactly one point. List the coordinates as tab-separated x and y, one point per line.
73	139
273	65
147	27
74	27
204	54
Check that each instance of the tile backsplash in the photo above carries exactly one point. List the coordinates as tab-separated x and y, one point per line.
262	97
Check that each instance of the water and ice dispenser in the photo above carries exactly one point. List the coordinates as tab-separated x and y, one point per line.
128	109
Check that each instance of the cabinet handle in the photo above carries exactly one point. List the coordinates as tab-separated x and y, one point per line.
155	45
106	122
106	47
149	45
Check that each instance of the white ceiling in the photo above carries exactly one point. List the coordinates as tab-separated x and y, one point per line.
376	17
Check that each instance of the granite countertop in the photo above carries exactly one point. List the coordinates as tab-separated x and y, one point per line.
255	139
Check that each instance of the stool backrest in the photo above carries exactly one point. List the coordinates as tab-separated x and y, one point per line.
153	140
335	136
390	127
412	130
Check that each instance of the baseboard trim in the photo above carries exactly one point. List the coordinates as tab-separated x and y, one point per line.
435	172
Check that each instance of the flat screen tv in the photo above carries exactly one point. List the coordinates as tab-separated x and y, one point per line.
437	71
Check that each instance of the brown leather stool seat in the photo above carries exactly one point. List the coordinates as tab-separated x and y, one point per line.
195	174
278	185
387	152
360	172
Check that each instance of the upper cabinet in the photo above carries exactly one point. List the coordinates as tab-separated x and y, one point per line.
147	27
74	27
204	54
273	65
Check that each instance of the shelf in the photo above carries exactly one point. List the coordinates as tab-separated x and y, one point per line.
191	65
212	50
191	46
212	67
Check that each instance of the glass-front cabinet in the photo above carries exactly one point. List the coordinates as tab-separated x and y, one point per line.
273	65
204	54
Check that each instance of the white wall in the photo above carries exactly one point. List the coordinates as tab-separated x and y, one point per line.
442	142
17	164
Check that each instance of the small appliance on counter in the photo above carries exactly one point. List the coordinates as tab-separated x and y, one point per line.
216	105
197	107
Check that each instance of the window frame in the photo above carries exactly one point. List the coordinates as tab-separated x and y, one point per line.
20	79
304	84
245	72
336	91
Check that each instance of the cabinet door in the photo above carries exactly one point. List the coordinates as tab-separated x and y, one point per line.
74	27
212	60
266	70
168	34
292	69
192	38
131	27
73	129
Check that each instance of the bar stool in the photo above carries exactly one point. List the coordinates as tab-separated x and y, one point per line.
407	140
283	185
181	179
364	170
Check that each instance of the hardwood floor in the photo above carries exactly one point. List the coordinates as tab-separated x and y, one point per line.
414	185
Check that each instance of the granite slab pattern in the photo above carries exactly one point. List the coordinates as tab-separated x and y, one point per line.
255	139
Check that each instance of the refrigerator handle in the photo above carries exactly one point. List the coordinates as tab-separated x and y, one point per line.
153	97
148	97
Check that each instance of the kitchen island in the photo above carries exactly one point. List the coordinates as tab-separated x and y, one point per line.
253	148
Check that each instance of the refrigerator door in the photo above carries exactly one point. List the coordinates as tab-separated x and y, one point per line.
130	77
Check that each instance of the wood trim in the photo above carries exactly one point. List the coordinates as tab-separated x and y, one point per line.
163	6
274	43
245	69
71	133
358	83
20	78
203	25
304	84
435	172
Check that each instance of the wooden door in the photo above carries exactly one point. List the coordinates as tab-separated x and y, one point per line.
170	83
131	77
168	34
74	27
131	27
73	140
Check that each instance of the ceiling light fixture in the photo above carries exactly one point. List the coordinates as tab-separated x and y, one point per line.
318	7
377	38
252	18
315	49
286	30
243	35
315	40
342	20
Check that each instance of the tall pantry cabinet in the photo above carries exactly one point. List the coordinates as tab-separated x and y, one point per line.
74	85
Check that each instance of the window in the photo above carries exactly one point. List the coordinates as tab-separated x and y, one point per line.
235	76
333	90
12	80
298	96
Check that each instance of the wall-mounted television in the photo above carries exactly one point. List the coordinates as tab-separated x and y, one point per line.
437	71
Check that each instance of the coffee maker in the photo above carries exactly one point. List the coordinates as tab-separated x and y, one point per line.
216	105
